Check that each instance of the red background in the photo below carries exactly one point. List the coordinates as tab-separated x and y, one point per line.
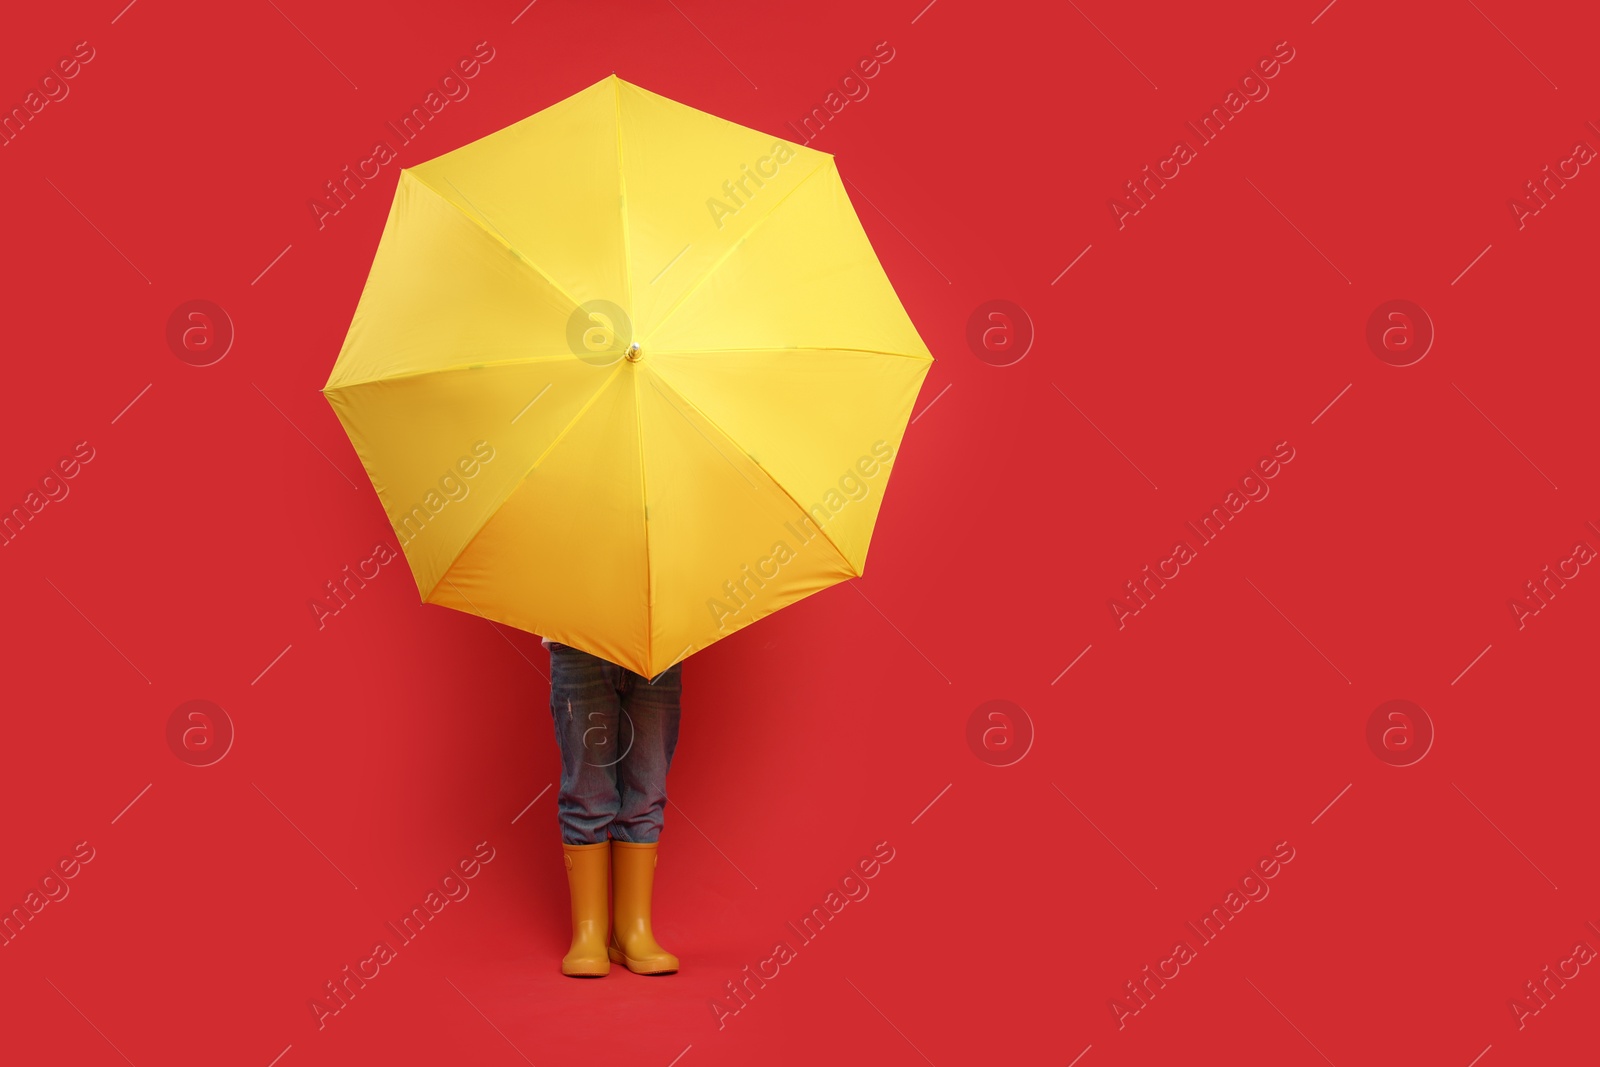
1224	718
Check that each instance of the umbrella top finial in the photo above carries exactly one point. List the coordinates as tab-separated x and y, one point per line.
634	355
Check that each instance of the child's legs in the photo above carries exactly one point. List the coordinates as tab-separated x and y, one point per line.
651	710
586	706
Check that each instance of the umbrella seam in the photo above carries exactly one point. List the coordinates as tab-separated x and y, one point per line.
644	501
638	424
565	356
679	396
514	361
491	232
712	270
622	202
518	482
494	233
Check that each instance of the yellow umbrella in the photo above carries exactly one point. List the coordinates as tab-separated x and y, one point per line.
627	375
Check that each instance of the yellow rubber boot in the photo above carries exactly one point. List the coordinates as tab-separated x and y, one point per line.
587	867
633	871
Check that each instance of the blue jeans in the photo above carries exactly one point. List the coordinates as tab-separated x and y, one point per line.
617	731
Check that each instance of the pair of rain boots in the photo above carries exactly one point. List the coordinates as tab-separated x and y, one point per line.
632	869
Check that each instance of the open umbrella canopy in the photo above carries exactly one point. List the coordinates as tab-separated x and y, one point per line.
627	375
